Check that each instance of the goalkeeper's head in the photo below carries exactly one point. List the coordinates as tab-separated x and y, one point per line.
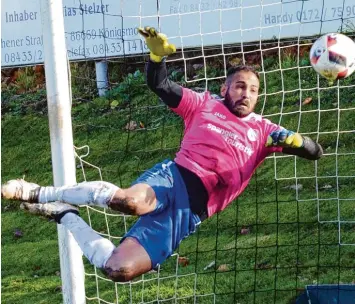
241	89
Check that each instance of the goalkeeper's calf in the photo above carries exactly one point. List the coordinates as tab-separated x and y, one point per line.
121	264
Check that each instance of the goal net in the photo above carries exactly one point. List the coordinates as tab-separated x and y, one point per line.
294	224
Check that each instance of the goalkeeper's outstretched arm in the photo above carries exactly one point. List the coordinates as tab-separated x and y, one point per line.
156	73
295	144
157	80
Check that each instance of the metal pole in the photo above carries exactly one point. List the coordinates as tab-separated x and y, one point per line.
101	77
61	135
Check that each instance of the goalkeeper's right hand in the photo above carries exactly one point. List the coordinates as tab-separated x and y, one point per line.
157	43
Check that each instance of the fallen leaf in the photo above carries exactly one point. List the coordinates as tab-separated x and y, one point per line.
326	187
235	61
295	187
114	104
307	101
244	231
183	261
223	267
131	125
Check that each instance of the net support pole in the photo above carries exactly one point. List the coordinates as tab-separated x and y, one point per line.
61	137
101	77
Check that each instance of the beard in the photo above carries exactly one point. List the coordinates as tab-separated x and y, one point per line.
240	108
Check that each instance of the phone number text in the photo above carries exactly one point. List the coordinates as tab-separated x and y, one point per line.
310	15
23	57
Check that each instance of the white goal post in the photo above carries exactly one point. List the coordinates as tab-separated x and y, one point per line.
61	135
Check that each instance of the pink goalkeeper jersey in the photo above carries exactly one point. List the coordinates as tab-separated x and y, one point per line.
221	148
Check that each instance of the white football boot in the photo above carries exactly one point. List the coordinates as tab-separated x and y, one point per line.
19	189
54	210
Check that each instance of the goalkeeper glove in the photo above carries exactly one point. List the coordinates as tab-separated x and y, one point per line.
157	43
284	138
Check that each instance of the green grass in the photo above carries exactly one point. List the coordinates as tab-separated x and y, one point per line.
286	247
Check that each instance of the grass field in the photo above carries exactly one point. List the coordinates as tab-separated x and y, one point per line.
281	234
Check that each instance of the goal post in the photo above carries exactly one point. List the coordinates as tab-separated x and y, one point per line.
61	137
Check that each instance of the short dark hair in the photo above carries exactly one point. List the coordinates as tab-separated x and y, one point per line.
241	68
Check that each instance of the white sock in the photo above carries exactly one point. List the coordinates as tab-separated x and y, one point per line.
96	248
96	193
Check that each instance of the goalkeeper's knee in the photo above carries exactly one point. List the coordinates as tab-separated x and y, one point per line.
122	270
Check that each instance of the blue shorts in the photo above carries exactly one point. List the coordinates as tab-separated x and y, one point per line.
161	231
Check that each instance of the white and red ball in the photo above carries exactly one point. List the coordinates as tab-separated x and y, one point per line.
333	56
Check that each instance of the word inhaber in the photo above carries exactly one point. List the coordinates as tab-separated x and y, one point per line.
20	16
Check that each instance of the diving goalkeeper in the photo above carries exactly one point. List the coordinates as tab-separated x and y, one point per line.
224	142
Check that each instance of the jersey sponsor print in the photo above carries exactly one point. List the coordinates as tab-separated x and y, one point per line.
221	148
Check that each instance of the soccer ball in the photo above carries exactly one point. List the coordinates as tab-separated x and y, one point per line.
333	56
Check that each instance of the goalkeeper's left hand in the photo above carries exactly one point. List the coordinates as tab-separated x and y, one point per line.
284	138
157	43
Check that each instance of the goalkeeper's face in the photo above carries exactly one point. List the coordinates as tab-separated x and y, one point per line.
240	93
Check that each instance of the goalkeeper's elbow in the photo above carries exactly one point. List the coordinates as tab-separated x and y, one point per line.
319	153
316	154
314	149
